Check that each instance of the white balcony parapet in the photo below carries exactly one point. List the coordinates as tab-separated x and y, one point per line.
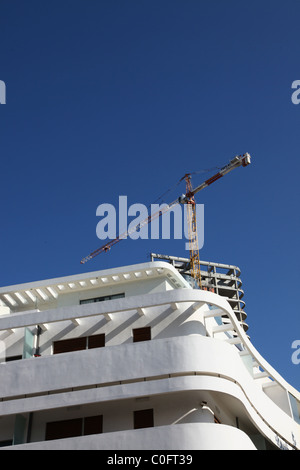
187	437
28	295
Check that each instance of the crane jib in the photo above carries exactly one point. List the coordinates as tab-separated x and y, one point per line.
213	179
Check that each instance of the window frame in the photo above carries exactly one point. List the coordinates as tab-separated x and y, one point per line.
141	334
143	418
84	426
102	298
85	342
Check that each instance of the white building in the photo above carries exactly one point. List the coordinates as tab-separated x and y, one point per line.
134	358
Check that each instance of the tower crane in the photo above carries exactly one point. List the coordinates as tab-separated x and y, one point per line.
189	199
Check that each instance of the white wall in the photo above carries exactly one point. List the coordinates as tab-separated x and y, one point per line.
164	321
137	287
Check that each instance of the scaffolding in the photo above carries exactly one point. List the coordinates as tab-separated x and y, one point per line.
222	279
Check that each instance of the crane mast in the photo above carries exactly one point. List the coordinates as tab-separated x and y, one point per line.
192	232
189	199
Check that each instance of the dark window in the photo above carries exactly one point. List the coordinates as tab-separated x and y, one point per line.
9	442
74	427
78	344
62	429
96	341
67	345
93	425
13	358
143	419
102	299
141	334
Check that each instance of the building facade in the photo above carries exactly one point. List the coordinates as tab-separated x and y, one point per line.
135	358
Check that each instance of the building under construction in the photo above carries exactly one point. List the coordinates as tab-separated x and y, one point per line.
222	279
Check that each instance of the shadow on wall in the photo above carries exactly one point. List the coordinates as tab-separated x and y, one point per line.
184	325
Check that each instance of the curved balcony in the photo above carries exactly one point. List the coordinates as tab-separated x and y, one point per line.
188	436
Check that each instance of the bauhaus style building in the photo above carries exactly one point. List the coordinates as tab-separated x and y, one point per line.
135	358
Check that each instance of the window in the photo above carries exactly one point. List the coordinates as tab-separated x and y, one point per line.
13	358
96	341
141	334
93	425
78	344
74	427
143	419
8	442
294	408
101	299
62	429
68	345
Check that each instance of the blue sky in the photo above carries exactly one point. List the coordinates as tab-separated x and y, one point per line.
108	98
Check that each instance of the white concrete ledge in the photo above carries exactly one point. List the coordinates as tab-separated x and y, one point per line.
188	436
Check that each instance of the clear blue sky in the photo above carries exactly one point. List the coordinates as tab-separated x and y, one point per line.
109	98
